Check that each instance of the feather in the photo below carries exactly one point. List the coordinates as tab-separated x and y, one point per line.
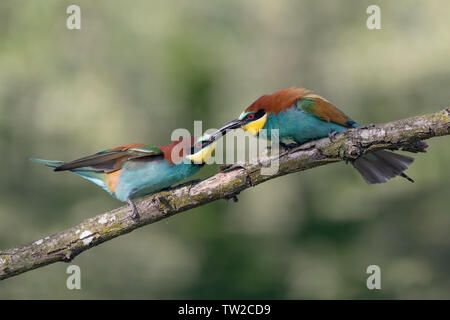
48	163
112	159
303	99
324	110
380	166
185	144
278	101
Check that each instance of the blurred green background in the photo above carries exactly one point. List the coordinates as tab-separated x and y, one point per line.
137	70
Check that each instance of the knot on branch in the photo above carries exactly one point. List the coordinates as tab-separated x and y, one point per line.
415	147
164	204
402	134
4	259
68	255
354	152
233	197
349	151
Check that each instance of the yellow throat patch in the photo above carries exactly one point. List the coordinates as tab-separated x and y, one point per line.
255	126
203	155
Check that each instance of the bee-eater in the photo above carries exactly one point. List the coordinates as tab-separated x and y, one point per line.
135	170
301	116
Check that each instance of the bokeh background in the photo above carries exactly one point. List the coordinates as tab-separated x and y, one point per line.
137	70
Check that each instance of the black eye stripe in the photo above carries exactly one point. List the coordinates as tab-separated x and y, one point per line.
256	115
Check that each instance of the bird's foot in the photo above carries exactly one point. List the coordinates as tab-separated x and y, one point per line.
368	126
288	147
135	213
332	135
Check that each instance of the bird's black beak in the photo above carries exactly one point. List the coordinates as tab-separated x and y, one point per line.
223	130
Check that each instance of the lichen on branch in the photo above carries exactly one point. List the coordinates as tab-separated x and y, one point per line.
406	135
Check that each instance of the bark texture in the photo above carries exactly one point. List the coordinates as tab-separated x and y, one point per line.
404	134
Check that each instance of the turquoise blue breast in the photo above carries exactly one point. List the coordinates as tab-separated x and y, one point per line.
299	126
140	178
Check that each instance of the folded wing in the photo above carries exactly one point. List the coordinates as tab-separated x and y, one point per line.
324	110
111	160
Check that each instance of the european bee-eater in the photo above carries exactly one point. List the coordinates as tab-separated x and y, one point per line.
301	116
135	170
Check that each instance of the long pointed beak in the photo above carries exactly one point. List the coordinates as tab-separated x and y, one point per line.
223	130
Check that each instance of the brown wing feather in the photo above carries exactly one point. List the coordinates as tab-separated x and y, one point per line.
112	159
324	110
90	161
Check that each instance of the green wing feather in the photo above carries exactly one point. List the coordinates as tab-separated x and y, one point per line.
324	110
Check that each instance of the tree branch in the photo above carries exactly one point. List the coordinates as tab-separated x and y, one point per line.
64	246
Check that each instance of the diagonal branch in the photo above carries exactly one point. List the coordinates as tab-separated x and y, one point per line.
64	246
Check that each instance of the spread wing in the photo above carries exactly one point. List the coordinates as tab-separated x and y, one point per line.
324	110
111	160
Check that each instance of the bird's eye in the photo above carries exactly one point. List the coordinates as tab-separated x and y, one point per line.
198	145
251	116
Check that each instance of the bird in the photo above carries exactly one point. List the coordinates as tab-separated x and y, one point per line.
134	170
300	116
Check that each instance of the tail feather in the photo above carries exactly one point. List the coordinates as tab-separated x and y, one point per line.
97	177
48	163
380	166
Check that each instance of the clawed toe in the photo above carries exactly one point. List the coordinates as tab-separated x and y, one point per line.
332	135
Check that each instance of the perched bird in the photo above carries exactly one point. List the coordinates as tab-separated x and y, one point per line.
135	170
301	116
